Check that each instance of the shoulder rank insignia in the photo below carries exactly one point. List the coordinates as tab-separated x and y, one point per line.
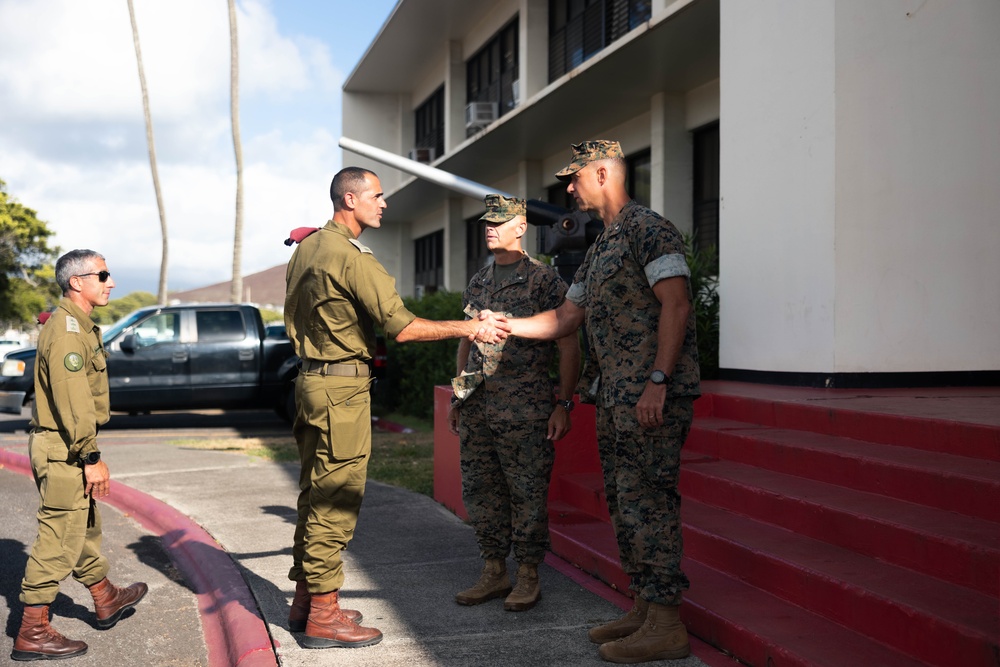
72	324
360	246
73	361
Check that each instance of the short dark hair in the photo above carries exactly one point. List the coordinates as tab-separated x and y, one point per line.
74	263
348	179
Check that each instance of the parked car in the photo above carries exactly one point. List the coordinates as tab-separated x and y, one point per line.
191	356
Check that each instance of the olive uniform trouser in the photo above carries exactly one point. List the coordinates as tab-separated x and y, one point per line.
333	433
641	473
506	468
65	544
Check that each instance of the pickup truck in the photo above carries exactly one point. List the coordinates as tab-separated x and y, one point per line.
191	356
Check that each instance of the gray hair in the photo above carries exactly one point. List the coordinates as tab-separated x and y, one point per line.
349	179
74	263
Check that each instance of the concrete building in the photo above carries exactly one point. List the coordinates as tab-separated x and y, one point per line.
843	155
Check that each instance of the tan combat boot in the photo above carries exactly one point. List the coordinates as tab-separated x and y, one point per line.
110	602
621	627
37	640
328	627
661	637
493	583
299	613
527	592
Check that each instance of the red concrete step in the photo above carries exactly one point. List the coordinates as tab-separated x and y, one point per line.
959	549
584	491
924	617
876	420
762	629
586	542
957	483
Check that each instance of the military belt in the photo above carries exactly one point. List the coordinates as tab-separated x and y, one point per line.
349	369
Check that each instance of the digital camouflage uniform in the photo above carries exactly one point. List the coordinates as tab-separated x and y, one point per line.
71	402
336	292
641	466
506	457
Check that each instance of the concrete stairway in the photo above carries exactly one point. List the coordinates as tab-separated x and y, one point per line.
822	531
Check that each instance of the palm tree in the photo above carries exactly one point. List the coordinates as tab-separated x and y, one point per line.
161	296
236	294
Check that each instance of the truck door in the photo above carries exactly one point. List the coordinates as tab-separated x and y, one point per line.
154	373
225	359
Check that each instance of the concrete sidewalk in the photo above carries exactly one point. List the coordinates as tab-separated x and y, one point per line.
408	559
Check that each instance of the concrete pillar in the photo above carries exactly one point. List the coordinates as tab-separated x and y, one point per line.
454	98
530	186
671	156
533	47
454	245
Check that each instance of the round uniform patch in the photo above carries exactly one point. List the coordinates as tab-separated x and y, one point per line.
73	361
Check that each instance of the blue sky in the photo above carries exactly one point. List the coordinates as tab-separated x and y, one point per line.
73	141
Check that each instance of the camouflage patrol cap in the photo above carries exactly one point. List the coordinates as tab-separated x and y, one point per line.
502	209
587	152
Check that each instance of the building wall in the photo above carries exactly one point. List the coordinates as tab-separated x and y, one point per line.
859	201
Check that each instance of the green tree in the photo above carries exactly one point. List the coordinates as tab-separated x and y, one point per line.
119	308
27	278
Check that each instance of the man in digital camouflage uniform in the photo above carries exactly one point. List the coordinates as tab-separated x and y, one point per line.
71	403
336	293
504	412
633	292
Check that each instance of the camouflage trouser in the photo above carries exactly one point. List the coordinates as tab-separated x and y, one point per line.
506	467
333	432
641	470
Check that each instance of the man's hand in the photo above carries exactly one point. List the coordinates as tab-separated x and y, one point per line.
453	419
559	423
649	410
98	480
493	327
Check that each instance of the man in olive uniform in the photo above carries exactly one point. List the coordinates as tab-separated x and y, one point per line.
632	289
71	403
336	293
504	413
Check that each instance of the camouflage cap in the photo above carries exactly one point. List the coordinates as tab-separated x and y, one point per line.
587	152
502	209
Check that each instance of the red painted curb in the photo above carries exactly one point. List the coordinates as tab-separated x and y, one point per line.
383	425
234	632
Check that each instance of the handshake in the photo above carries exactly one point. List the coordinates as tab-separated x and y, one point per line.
492	327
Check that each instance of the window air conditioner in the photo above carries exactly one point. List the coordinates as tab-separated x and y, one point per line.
480	114
425	155
515	92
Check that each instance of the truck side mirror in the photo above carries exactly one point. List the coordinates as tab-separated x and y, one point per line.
129	344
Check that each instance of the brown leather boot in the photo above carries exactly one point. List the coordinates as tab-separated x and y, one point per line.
661	637
493	583
37	640
328	627
299	613
621	627
110	602
527	591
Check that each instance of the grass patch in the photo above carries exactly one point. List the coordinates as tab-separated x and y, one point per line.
401	459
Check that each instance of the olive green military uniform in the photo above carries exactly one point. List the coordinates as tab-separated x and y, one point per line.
641	465
71	402
506	457
336	293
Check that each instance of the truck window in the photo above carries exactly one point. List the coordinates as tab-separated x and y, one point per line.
161	328
216	326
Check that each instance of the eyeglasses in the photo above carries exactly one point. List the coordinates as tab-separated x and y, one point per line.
102	276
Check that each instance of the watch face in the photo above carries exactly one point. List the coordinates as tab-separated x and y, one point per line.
657	377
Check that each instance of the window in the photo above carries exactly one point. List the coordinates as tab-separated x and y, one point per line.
160	328
217	326
429	262
580	28
492	72
429	123
476	252
638	177
706	188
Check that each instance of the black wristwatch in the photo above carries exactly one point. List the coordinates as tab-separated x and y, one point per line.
659	377
92	458
567	405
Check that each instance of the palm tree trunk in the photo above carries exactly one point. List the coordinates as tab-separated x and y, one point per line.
161	296
236	294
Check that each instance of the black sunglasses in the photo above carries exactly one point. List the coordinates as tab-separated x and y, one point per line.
102	276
